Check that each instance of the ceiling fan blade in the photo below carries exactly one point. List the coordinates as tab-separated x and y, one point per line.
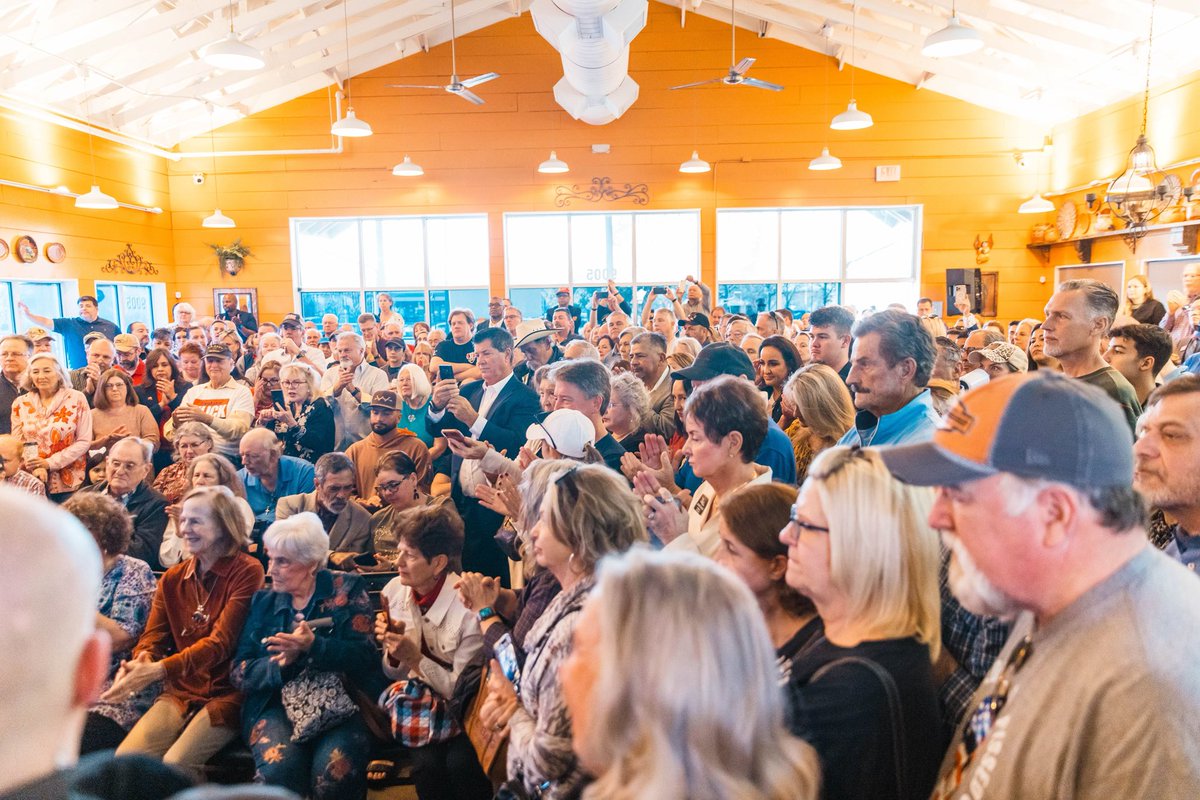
743	66
478	79
412	86
697	83
774	87
467	94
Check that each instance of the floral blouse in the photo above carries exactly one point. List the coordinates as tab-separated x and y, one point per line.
172	482
62	430
313	434
126	592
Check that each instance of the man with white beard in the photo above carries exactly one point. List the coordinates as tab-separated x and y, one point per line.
1096	693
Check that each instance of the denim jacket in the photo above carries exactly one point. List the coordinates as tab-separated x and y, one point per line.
344	648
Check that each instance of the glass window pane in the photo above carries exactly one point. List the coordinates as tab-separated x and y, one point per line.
747	245
880	243
533	302
441	301
811	244
746	298
409	304
394	252
602	247
43	299
536	249
327	253
106	294
876	296
8	322
668	247
314	305
457	249
801	297
136	305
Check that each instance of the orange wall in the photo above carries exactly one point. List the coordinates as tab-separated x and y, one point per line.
42	154
955	157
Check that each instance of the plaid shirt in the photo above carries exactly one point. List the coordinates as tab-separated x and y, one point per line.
26	483
972	640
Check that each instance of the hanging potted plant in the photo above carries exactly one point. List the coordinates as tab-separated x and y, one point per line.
231	258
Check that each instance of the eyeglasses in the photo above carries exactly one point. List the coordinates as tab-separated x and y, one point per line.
292	384
806	526
390	486
980	723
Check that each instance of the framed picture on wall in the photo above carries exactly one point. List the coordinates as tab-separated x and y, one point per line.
989	282
247	300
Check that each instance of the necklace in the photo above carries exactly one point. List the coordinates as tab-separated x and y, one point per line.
200	617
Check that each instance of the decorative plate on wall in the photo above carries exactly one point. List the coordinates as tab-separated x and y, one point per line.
1066	220
55	252
3	249
26	249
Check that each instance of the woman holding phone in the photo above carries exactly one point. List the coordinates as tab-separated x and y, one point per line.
428	636
302	420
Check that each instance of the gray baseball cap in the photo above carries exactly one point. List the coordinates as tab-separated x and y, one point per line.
1033	425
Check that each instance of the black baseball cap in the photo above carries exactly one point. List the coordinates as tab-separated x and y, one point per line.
291	322
716	359
1031	424
218	350
395	344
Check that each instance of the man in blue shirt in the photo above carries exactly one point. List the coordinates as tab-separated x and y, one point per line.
268	474
893	359
73	329
722	358
1167	463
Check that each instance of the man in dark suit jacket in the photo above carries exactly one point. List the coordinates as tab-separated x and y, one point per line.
497	410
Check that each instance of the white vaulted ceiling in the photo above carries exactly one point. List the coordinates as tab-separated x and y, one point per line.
138	61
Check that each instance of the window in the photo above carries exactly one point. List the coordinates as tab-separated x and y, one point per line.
428	264
44	298
124	303
804	258
585	250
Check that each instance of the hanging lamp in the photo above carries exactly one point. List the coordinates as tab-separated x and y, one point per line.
695	164
1036	205
553	165
215	219
407	169
953	40
825	161
232	53
93	199
852	119
1140	193
350	125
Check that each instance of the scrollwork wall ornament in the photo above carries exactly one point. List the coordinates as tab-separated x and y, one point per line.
602	189
127	262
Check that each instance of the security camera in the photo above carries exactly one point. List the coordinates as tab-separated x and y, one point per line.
198	178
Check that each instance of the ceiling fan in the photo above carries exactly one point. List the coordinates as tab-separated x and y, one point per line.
455	87
737	69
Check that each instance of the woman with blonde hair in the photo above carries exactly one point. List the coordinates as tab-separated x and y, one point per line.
57	420
196	617
304	420
1140	303
646	732
859	546
821	410
588	512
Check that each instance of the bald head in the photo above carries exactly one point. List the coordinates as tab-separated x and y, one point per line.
52	659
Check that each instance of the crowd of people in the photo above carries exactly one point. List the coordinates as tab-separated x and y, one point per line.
836	553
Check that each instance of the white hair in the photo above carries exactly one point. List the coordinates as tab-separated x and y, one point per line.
687	344
580	349
420	383
142	444
630	390
184	307
352	335
300	537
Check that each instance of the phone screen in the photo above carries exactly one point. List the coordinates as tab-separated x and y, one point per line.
446	372
277	397
506	656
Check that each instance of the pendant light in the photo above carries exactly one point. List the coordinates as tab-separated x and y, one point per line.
953	40
232	53
94	199
695	165
349	125
1036	205
825	161
553	165
407	169
852	119
216	219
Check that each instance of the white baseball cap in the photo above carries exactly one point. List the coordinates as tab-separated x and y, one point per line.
568	431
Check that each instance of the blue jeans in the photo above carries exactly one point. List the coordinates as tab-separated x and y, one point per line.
331	765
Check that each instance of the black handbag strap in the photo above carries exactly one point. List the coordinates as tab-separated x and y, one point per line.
895	712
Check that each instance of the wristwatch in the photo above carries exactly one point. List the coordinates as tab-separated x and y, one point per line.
486	613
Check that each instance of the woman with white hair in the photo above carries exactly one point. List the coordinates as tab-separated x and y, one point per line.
303	422
645	732
628	411
414	388
686	344
302	636
588	512
860	548
55	423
